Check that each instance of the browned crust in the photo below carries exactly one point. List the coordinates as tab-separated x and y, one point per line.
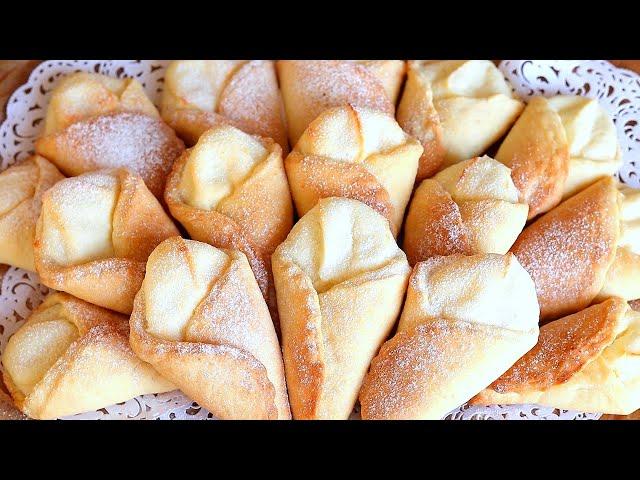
434	225
221	231
635	304
320	177
139	225
311	86
247	375
539	161
568	251
74	153
564	347
302	347
419	118
256	80
191	123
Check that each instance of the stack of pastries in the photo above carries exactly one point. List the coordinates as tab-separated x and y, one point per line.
296	239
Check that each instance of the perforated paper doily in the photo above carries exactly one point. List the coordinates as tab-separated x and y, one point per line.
617	90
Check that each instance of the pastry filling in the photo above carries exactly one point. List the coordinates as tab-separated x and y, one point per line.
77	219
33	350
222	159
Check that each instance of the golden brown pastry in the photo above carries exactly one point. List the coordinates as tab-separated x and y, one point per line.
8	411
623	277
559	146
588	361
458	332
21	188
200	319
456	108
586	246
198	92
94	235
537	152
82	95
231	191
142	143
71	357
340	279
470	207
355	153
311	86
594	151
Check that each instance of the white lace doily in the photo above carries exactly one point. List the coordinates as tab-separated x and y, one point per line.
617	90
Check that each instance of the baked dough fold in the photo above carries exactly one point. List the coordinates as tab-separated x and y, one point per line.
310	87
94	234
355	153
201	321
82	95
144	144
588	361
231	191
456	108
458	332
340	280
585	248
71	357
470	207
199	94
21	188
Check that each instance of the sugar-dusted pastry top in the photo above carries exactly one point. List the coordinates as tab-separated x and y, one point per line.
221	160
82	95
21	188
98	229
593	141
142	143
198	304
467	288
473	102
338	240
469	207
356	153
458	332
537	152
243	91
587	361
569	250
311	86
340	279
71	356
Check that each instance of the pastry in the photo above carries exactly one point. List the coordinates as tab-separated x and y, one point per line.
94	235
594	151
355	153
82	95
200	319
21	188
311	86
340	280
585	247
458	332
456	108
140	142
71	357
470	207
231	191
197	93
537	152
588	361
559	146
8	411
